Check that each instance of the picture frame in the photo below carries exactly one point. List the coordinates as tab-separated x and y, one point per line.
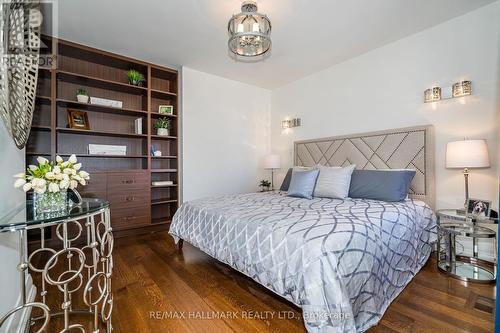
166	109
478	207
78	119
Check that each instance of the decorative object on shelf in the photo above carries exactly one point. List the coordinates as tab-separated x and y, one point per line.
478	208
264	185
467	154
289	123
50	181
432	95
157	153
78	119
138	126
106	102
19	47
135	78
97	149
463	88
272	162
162	183
163	126
249	33
166	109
82	95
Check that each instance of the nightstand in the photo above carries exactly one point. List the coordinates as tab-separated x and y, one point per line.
452	223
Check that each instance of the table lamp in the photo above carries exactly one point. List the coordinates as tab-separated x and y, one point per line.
467	154
272	162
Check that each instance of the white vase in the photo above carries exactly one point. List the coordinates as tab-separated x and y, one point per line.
163	131
82	98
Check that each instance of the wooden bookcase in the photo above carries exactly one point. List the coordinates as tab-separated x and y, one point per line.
125	181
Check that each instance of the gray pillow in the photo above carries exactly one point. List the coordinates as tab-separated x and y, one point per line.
286	182
303	183
385	185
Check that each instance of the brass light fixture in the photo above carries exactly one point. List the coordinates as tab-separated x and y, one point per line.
463	88
432	95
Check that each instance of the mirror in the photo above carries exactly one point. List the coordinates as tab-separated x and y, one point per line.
20	24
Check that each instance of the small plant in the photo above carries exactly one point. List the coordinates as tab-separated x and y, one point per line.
265	184
81	92
135	77
163	123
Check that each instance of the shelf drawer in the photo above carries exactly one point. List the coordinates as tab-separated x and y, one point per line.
125	181
127	218
128	199
95	188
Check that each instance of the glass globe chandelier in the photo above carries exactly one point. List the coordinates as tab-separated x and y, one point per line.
249	32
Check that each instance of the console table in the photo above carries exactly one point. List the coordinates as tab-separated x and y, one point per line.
75	269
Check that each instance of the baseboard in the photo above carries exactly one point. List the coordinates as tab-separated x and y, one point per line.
19	322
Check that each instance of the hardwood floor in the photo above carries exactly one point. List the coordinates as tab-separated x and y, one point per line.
158	289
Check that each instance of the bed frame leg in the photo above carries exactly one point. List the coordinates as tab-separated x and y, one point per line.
179	244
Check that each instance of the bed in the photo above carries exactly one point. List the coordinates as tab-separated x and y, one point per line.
343	261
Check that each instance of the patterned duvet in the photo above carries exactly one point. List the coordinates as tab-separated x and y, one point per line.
342	261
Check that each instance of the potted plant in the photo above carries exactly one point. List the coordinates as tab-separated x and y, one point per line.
82	95
50	182
162	126
265	185
135	78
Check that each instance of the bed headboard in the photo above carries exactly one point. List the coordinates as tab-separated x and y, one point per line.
403	148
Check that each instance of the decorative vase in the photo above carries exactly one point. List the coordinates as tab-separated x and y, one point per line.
82	98
50	202
162	131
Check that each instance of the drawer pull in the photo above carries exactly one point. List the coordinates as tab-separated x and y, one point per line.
129	218
130	199
128	181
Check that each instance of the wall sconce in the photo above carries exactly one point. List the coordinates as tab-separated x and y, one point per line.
461	89
432	95
289	123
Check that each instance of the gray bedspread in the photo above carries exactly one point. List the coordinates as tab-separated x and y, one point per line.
342	261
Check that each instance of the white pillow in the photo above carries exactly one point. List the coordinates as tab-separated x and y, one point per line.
333	182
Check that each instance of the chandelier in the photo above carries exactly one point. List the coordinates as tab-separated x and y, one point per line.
249	32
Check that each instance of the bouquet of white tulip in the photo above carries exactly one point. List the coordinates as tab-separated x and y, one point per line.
52	178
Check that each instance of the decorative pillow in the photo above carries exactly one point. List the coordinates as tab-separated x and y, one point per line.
303	183
333	182
385	185
286	181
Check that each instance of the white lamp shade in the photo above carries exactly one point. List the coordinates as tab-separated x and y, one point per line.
272	162
467	154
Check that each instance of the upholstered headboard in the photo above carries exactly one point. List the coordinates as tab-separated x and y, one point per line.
404	148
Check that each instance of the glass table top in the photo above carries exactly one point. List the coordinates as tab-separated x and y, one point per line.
467	230
88	206
458	215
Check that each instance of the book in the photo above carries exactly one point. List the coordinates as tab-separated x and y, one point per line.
138	126
162	183
95	149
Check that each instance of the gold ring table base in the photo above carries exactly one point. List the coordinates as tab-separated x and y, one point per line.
74	276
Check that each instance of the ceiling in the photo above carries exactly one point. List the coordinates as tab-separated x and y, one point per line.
308	35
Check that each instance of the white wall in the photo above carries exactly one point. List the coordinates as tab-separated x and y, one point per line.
11	162
383	89
225	135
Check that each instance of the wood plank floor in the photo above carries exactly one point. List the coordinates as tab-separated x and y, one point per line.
158	289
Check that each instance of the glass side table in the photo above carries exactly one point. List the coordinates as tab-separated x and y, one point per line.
74	275
451	223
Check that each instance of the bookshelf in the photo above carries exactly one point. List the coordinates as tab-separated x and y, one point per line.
104	75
